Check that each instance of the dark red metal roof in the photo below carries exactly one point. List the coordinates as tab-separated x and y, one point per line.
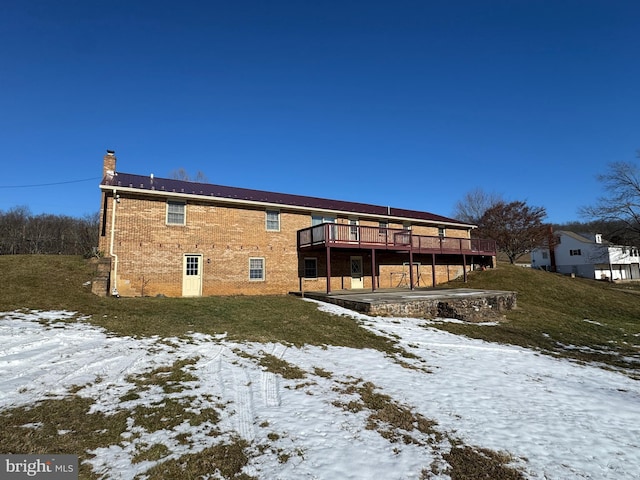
141	182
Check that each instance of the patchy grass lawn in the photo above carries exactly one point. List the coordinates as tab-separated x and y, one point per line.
587	320
49	282
580	319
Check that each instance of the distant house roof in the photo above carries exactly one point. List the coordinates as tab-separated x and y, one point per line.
582	237
182	187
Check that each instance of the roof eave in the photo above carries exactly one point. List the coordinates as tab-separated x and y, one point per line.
255	203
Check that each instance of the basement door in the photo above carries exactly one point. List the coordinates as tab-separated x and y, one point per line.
192	275
357	279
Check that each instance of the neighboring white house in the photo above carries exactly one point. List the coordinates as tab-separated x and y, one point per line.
588	256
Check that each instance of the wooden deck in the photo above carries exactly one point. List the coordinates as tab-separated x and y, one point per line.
378	238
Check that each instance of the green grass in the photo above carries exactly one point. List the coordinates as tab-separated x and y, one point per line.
586	320
583	319
45	282
397	423
60	426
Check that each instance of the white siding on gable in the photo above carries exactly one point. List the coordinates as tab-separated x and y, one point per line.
589	257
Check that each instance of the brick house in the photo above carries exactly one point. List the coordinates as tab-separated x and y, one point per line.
177	238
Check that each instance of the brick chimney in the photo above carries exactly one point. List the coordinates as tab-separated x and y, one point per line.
109	164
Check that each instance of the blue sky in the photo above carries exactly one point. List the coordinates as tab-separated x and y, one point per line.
410	104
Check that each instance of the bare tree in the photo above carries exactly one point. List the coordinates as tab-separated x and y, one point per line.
621	204
614	231
182	174
22	233
516	227
12	225
474	204
87	231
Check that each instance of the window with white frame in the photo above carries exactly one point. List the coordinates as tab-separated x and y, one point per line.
319	219
256	269
383	230
176	212
311	268
441	232
354	232
273	220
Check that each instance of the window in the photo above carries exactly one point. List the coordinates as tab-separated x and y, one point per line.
319	219
353	230
383	230
192	265
545	255
310	268
273	220
575	252
256	269
176	213
441	232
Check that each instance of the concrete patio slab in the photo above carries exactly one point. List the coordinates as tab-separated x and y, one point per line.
467	304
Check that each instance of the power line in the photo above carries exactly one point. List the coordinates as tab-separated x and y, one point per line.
50	184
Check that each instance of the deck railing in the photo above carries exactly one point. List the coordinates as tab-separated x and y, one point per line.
356	236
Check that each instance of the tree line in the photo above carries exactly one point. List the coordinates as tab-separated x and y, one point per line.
21	232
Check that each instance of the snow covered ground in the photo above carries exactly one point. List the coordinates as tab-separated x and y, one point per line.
560	420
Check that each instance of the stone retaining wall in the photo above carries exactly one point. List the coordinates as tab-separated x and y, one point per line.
481	307
489	307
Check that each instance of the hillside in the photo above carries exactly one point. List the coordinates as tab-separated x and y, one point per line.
277	387
583	319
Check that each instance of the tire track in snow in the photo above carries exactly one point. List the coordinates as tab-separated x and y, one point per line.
210	372
270	383
245	414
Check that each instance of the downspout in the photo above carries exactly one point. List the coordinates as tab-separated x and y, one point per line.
114	290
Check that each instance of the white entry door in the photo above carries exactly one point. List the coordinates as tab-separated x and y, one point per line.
192	276
357	278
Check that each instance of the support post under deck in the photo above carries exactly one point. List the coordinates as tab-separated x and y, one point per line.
328	270
433	270
411	261
464	266
373	269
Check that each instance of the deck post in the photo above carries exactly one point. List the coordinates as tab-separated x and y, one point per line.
411	261
328	269
464	266
373	269
433	270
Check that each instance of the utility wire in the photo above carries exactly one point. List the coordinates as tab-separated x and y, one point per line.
50	184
